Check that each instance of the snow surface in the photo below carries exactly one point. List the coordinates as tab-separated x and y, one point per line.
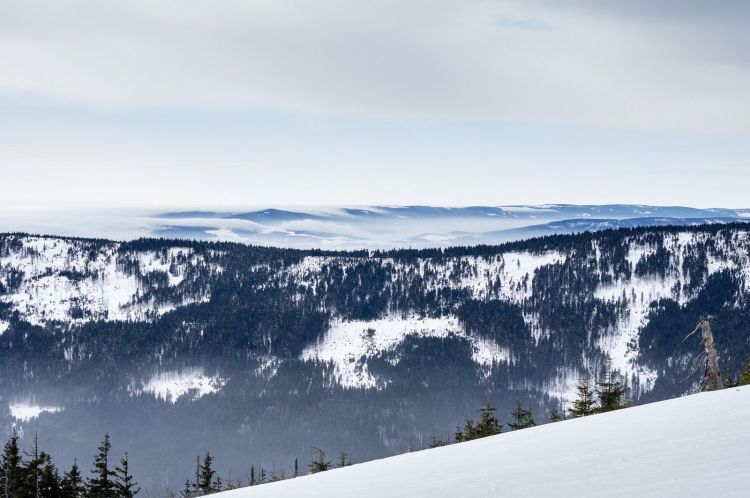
25	411
348	344
696	446
172	385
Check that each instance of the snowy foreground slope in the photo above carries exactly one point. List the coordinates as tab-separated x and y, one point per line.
693	446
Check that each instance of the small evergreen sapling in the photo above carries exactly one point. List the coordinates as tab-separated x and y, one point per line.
318	462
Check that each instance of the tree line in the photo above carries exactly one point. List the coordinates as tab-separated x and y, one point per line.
206	480
34	475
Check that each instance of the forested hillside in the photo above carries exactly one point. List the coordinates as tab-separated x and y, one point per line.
181	347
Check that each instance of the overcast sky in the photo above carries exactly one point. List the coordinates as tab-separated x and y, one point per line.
443	102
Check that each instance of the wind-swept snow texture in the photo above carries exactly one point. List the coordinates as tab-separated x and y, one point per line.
693	446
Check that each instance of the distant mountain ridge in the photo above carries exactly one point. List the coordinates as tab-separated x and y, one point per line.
429	226
361	227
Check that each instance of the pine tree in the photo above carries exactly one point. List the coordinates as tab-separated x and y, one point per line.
436	442
197	477
206	475
49	479
611	391
467	434
522	418
101	484
296	468
744	379
252	474
584	404
187	490
488	425
318	463
124	481
218	484
554	415
344	459
72	483
11	471
32	472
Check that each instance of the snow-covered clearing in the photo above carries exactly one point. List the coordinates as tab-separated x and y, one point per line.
172	385
348	344
24	411
693	446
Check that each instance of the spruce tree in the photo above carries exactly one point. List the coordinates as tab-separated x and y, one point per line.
31	472
468	433
218	484
344	459
72	483
101	484
49	479
554	415
206	475
744	379
488	425
584	404
197	477
611	391
522	418
11	471
124	481
187	490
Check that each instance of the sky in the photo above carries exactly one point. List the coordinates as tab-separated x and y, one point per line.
443	102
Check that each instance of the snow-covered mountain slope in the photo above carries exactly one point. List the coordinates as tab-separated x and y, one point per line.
372	227
375	302
365	350
69	280
693	446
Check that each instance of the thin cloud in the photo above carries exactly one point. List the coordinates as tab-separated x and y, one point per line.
654	66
